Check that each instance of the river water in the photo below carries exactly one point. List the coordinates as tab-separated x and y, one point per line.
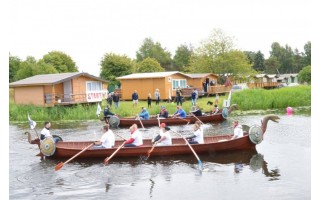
280	168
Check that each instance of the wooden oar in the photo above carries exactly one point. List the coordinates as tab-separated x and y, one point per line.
158	120
106	160
195	154
60	165
150	151
141	122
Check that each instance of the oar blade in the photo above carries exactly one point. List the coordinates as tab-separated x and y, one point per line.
106	161
200	164
58	166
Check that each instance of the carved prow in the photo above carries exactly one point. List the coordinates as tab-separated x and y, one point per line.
265	120
232	107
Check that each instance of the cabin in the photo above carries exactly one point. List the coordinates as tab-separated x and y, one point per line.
59	89
263	81
145	83
290	78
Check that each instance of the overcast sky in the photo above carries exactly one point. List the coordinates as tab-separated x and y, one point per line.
86	30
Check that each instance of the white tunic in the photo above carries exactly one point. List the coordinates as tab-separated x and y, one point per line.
137	138
45	132
199	136
108	139
238	132
167	141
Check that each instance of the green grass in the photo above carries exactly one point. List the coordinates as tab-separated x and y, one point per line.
260	99
255	99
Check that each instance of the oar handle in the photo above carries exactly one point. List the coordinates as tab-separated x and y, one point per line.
120	136
106	160
83	150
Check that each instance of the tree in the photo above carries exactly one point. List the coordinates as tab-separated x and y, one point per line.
307	50
14	65
284	55
181	59
149	65
218	43
61	61
113	66
305	75
149	49
272	65
258	64
30	67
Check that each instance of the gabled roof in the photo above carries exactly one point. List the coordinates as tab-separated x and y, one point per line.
150	75
259	75
289	75
201	75
52	79
271	76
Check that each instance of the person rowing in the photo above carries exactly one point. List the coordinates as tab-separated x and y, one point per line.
144	114
164	138
180	113
163	113
197	137
107	139
136	137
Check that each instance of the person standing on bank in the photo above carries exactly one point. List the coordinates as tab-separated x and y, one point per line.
149	100
135	98
194	97
116	99
157	96
178	96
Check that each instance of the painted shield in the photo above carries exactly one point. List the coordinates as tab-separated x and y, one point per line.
48	146
114	121
225	113
255	134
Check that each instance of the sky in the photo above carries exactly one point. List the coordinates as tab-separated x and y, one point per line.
86	30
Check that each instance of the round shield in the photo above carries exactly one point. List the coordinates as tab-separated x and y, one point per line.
58	138
114	121
255	134
48	146
256	162
225	113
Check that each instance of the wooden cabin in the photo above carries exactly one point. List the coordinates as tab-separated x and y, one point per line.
145	83
59	89
263	81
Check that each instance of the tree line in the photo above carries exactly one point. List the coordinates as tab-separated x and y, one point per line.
215	54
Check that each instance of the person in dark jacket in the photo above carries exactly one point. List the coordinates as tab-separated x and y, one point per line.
116	99
149	100
178	96
163	112
135	98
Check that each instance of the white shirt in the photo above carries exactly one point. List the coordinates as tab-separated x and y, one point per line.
168	140
137	138
108	139
199	136
238	132
46	133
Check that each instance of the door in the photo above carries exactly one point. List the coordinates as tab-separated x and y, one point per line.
67	91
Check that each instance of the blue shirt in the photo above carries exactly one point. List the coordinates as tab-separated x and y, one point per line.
144	114
181	113
134	96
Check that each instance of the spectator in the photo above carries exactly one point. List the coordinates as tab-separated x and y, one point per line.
194	97
135	98
149	100
116	99
178	96
157	96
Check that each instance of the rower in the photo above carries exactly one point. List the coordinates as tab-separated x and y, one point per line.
136	137
197	137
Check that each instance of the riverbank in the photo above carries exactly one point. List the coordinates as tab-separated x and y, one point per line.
249	101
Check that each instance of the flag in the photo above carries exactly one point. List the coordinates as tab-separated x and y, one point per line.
31	122
98	110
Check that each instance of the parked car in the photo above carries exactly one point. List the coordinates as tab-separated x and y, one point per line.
236	88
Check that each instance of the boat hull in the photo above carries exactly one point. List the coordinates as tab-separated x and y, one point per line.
212	144
127	122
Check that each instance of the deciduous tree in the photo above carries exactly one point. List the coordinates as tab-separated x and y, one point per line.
149	65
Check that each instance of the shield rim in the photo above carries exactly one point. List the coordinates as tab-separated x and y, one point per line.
54	146
252	140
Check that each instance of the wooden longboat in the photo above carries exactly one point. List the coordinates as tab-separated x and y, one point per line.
212	144
153	121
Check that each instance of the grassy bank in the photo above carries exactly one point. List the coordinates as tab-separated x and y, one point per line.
260	99
247	100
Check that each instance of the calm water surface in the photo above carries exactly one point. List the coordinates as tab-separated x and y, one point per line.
278	169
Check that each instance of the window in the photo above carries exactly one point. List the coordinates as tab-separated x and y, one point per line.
182	83
94	86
